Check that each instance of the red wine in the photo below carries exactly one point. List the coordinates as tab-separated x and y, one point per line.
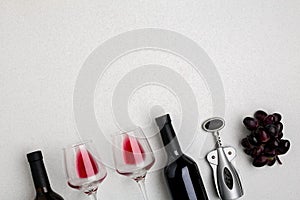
133	152
86	165
40	178
181	173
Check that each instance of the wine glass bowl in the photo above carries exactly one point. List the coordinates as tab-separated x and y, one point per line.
133	156
84	169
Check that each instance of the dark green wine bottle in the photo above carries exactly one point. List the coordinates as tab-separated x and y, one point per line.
181	173
40	177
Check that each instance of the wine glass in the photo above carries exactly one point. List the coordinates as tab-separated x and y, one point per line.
83	168
133	156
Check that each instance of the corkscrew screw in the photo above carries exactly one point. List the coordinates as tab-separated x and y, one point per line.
226	178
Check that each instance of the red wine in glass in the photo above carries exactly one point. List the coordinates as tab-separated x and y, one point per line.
133	152
84	171
86	165
133	156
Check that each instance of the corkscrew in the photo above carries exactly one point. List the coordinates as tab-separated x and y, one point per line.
226	177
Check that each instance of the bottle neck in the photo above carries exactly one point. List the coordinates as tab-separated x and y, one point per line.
39	175
43	190
171	142
173	149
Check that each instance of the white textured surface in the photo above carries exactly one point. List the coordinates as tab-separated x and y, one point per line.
255	45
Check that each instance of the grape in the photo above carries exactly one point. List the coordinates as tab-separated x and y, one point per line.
245	143
280	135
253	140
269	120
284	146
260	161
260	115
273	143
262	136
269	151
277	117
257	151
271	161
272	130
248	151
279	126
264	143
250	123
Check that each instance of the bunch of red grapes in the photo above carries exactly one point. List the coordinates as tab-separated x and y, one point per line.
265	142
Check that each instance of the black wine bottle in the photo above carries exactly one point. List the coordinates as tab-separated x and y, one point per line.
181	173
40	178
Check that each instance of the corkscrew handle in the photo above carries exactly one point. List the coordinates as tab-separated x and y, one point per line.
226	178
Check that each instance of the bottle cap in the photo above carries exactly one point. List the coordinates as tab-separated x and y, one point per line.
38	170
34	156
162	120
167	132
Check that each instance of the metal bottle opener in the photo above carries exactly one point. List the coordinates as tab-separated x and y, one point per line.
226	178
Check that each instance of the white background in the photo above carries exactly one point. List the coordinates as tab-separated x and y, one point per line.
255	46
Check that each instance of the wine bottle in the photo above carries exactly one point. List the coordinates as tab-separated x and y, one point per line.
40	178
181	173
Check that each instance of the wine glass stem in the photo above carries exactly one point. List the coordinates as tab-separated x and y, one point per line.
142	188
93	196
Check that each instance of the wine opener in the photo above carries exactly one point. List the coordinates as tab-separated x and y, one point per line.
226	178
